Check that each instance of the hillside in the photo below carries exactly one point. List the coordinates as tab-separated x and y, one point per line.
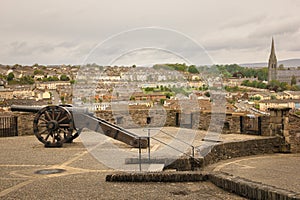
286	63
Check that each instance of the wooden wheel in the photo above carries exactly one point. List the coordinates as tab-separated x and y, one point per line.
53	125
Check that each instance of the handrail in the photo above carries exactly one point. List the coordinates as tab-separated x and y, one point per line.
172	147
193	148
168	145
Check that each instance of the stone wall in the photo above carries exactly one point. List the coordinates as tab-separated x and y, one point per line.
265	125
157	177
140	118
294	133
287	127
161	117
226	151
25	123
250	189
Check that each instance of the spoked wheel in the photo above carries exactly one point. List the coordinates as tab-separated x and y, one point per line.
53	125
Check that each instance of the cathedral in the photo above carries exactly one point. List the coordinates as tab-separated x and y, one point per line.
283	75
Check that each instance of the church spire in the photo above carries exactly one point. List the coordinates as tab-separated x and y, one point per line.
272	65
273	55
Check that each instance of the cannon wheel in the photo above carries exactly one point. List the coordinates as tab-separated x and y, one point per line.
53	125
76	132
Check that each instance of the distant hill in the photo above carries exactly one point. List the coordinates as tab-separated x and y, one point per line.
286	63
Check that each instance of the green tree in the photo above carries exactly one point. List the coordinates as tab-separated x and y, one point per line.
168	95
273	97
132	98
41	72
149	89
10	76
25	80
62	98
64	77
52	78
283	86
35	65
274	85
207	94
193	70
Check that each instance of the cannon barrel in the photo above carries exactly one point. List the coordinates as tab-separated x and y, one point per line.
21	108
35	109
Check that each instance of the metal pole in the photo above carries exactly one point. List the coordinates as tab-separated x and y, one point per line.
149	145
16	123
140	154
193	151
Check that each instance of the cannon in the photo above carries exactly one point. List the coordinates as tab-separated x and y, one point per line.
54	125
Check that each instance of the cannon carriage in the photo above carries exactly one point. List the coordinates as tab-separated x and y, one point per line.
54	125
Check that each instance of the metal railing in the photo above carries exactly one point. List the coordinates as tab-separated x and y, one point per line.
8	126
149	137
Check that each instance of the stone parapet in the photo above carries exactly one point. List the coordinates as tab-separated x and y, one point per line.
224	151
157	177
250	189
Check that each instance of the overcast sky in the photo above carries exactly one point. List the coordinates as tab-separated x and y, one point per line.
67	31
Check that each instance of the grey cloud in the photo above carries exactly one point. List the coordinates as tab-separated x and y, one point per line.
276	28
65	31
240	21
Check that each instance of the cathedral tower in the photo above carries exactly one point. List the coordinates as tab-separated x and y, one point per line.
272	66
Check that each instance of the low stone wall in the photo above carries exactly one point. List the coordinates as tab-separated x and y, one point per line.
224	151
157	177
240	186
250	189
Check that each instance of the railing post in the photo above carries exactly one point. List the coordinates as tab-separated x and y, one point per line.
193	151
16	123
140	154
149	145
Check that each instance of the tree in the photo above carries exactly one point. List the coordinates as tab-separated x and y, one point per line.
274	85
193	70
149	89
52	78
35	65
273	97
64	77
168	95
62	98
207	94
25	80
10	76
41	72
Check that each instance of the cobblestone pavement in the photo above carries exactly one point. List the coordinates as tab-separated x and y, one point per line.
83	176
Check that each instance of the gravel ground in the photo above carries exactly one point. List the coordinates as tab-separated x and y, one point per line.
83	178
